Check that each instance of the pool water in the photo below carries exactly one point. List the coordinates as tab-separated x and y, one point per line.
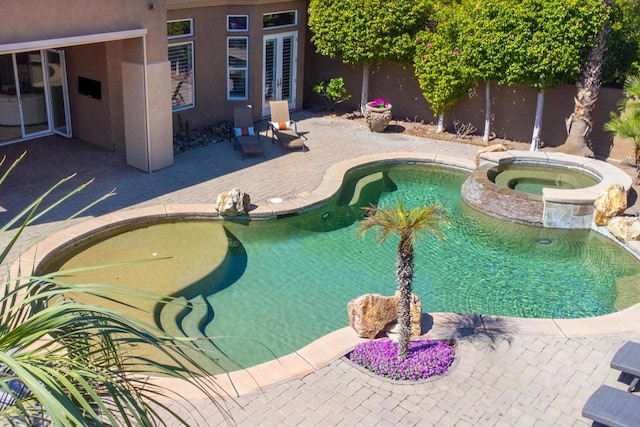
284	283
532	178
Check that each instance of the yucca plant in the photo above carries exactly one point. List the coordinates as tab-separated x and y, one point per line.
65	363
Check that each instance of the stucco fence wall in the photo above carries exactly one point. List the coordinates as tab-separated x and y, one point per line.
512	107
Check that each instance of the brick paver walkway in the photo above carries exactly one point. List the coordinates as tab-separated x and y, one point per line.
504	378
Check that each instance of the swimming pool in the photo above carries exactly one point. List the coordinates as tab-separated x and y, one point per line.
278	285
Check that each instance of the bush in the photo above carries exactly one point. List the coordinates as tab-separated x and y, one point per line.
332	91
425	359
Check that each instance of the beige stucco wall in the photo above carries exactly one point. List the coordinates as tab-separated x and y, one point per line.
210	38
101	122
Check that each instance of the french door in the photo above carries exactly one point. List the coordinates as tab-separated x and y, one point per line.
279	69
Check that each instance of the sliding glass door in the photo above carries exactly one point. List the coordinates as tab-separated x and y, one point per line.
33	102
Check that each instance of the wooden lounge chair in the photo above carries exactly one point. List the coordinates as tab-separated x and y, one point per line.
245	135
627	360
283	129
613	407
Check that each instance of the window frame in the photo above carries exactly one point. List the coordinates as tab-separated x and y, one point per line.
230	97
191	73
237	30
179	36
295	20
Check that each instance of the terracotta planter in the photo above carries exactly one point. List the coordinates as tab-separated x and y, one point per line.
378	118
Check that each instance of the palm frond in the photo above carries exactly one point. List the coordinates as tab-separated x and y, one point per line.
72	361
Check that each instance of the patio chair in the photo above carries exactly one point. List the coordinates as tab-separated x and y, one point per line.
627	360
283	129
244	131
613	407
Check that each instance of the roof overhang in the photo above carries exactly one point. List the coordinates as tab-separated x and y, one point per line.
71	41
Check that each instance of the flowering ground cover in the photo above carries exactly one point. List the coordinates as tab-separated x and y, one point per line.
426	359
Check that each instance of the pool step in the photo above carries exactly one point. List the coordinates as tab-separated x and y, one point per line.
193	324
169	314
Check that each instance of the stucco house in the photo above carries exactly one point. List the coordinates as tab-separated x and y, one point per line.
117	73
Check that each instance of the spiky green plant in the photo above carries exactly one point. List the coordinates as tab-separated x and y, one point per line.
626	123
408	224
65	363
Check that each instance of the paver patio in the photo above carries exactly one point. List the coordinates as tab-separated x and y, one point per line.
506	376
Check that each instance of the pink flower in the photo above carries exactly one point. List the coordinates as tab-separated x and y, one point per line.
379	103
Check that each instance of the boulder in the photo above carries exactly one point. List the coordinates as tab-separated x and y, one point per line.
489	149
233	202
625	228
372	315
610	202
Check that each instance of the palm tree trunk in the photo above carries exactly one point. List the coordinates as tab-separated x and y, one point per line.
579	123
404	271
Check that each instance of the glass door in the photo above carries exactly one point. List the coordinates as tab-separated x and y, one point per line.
58	93
10	122
279	69
33	102
32	98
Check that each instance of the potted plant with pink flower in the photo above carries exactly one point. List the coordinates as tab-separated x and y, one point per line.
378	114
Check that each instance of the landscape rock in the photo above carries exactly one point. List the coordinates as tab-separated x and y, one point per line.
625	228
373	315
611	202
233	202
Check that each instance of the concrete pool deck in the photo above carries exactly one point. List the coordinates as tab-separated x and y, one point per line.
511	371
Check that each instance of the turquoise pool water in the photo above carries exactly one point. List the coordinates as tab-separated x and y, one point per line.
532	178
286	282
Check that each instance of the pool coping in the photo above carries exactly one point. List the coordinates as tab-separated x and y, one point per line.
608	174
336	344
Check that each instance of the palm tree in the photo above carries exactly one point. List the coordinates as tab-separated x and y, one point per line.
579	123
627	123
64	363
407	223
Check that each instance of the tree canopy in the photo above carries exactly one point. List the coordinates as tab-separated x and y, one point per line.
542	43
623	44
367	31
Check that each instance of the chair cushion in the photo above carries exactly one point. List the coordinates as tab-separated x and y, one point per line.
250	131
281	125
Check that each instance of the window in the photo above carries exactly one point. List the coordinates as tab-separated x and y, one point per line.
237	22
280	19
237	67
181	58
180	28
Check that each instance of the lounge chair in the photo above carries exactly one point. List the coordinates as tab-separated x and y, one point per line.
613	407
627	360
283	129
245	135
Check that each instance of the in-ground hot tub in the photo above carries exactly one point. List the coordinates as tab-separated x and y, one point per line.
533	178
552	190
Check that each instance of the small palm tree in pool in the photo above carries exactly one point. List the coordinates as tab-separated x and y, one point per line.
408	224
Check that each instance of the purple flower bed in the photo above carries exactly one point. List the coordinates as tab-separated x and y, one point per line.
425	359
